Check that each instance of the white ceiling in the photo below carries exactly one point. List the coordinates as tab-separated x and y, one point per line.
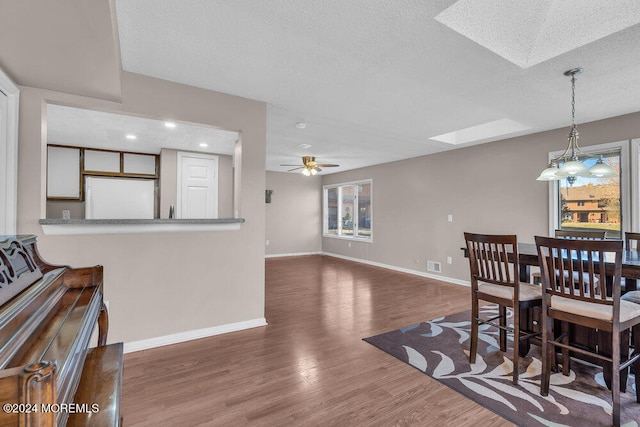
98	129
374	80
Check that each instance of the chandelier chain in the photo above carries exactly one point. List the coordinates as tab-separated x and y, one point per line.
573	99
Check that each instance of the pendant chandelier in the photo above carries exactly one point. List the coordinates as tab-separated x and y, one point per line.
572	167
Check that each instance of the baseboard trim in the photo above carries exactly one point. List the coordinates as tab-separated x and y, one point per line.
130	347
293	254
403	270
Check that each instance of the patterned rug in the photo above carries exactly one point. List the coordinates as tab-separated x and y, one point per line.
440	349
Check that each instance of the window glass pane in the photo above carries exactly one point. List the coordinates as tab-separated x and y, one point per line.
332	210
593	203
364	210
348	199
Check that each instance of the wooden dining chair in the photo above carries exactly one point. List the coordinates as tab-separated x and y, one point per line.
572	234
493	261
632	244
587	305
632	241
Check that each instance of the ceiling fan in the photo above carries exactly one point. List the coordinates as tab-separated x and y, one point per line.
310	167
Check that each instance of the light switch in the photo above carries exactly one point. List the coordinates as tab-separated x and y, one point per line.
450	217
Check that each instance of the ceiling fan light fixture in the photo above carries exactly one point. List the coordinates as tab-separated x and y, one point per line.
314	171
306	172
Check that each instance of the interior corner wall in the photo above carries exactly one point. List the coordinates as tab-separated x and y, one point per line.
294	216
160	284
487	188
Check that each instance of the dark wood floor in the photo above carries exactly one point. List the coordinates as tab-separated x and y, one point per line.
309	366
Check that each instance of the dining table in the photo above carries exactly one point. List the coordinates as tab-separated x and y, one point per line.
530	318
528	257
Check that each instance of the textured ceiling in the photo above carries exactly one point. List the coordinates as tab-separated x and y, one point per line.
530	32
96	129
375	80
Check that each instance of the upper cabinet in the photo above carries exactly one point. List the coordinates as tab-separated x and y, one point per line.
67	167
63	173
101	161
139	164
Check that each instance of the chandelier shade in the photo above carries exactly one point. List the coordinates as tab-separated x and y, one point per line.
549	174
573	168
602	170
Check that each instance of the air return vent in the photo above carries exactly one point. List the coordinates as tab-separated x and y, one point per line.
434	266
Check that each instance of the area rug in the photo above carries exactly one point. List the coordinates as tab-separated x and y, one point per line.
440	349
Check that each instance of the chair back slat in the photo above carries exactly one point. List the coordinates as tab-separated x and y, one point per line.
632	241
576	269
581	234
491	258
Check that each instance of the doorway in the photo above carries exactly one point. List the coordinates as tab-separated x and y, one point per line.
197	186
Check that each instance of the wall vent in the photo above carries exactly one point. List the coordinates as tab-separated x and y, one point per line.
434	266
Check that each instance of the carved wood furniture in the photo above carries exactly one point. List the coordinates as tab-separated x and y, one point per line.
48	374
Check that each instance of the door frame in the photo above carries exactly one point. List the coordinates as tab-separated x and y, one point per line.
9	151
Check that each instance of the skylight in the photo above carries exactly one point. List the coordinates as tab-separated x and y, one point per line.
489	130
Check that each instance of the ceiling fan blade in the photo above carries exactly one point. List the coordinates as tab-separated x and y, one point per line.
295	169
291	165
318	169
327	165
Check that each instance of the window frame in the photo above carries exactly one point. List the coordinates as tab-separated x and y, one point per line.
627	220
325	211
634	187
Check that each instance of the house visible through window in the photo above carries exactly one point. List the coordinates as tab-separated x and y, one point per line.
347	210
593	203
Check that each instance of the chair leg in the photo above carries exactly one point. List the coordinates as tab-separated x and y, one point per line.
636	365
547	353
624	355
604	342
615	380
474	329
566	368
503	331
516	343
526	318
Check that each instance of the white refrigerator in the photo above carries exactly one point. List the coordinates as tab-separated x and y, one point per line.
119	198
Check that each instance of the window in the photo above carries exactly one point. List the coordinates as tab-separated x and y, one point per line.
347	210
600	204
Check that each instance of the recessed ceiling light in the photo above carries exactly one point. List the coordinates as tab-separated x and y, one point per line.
170	124
131	136
204	144
304	146
301	125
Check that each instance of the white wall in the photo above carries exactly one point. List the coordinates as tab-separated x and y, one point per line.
160	284
294	216
488	188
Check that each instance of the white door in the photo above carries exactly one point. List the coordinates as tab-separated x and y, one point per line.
197	186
